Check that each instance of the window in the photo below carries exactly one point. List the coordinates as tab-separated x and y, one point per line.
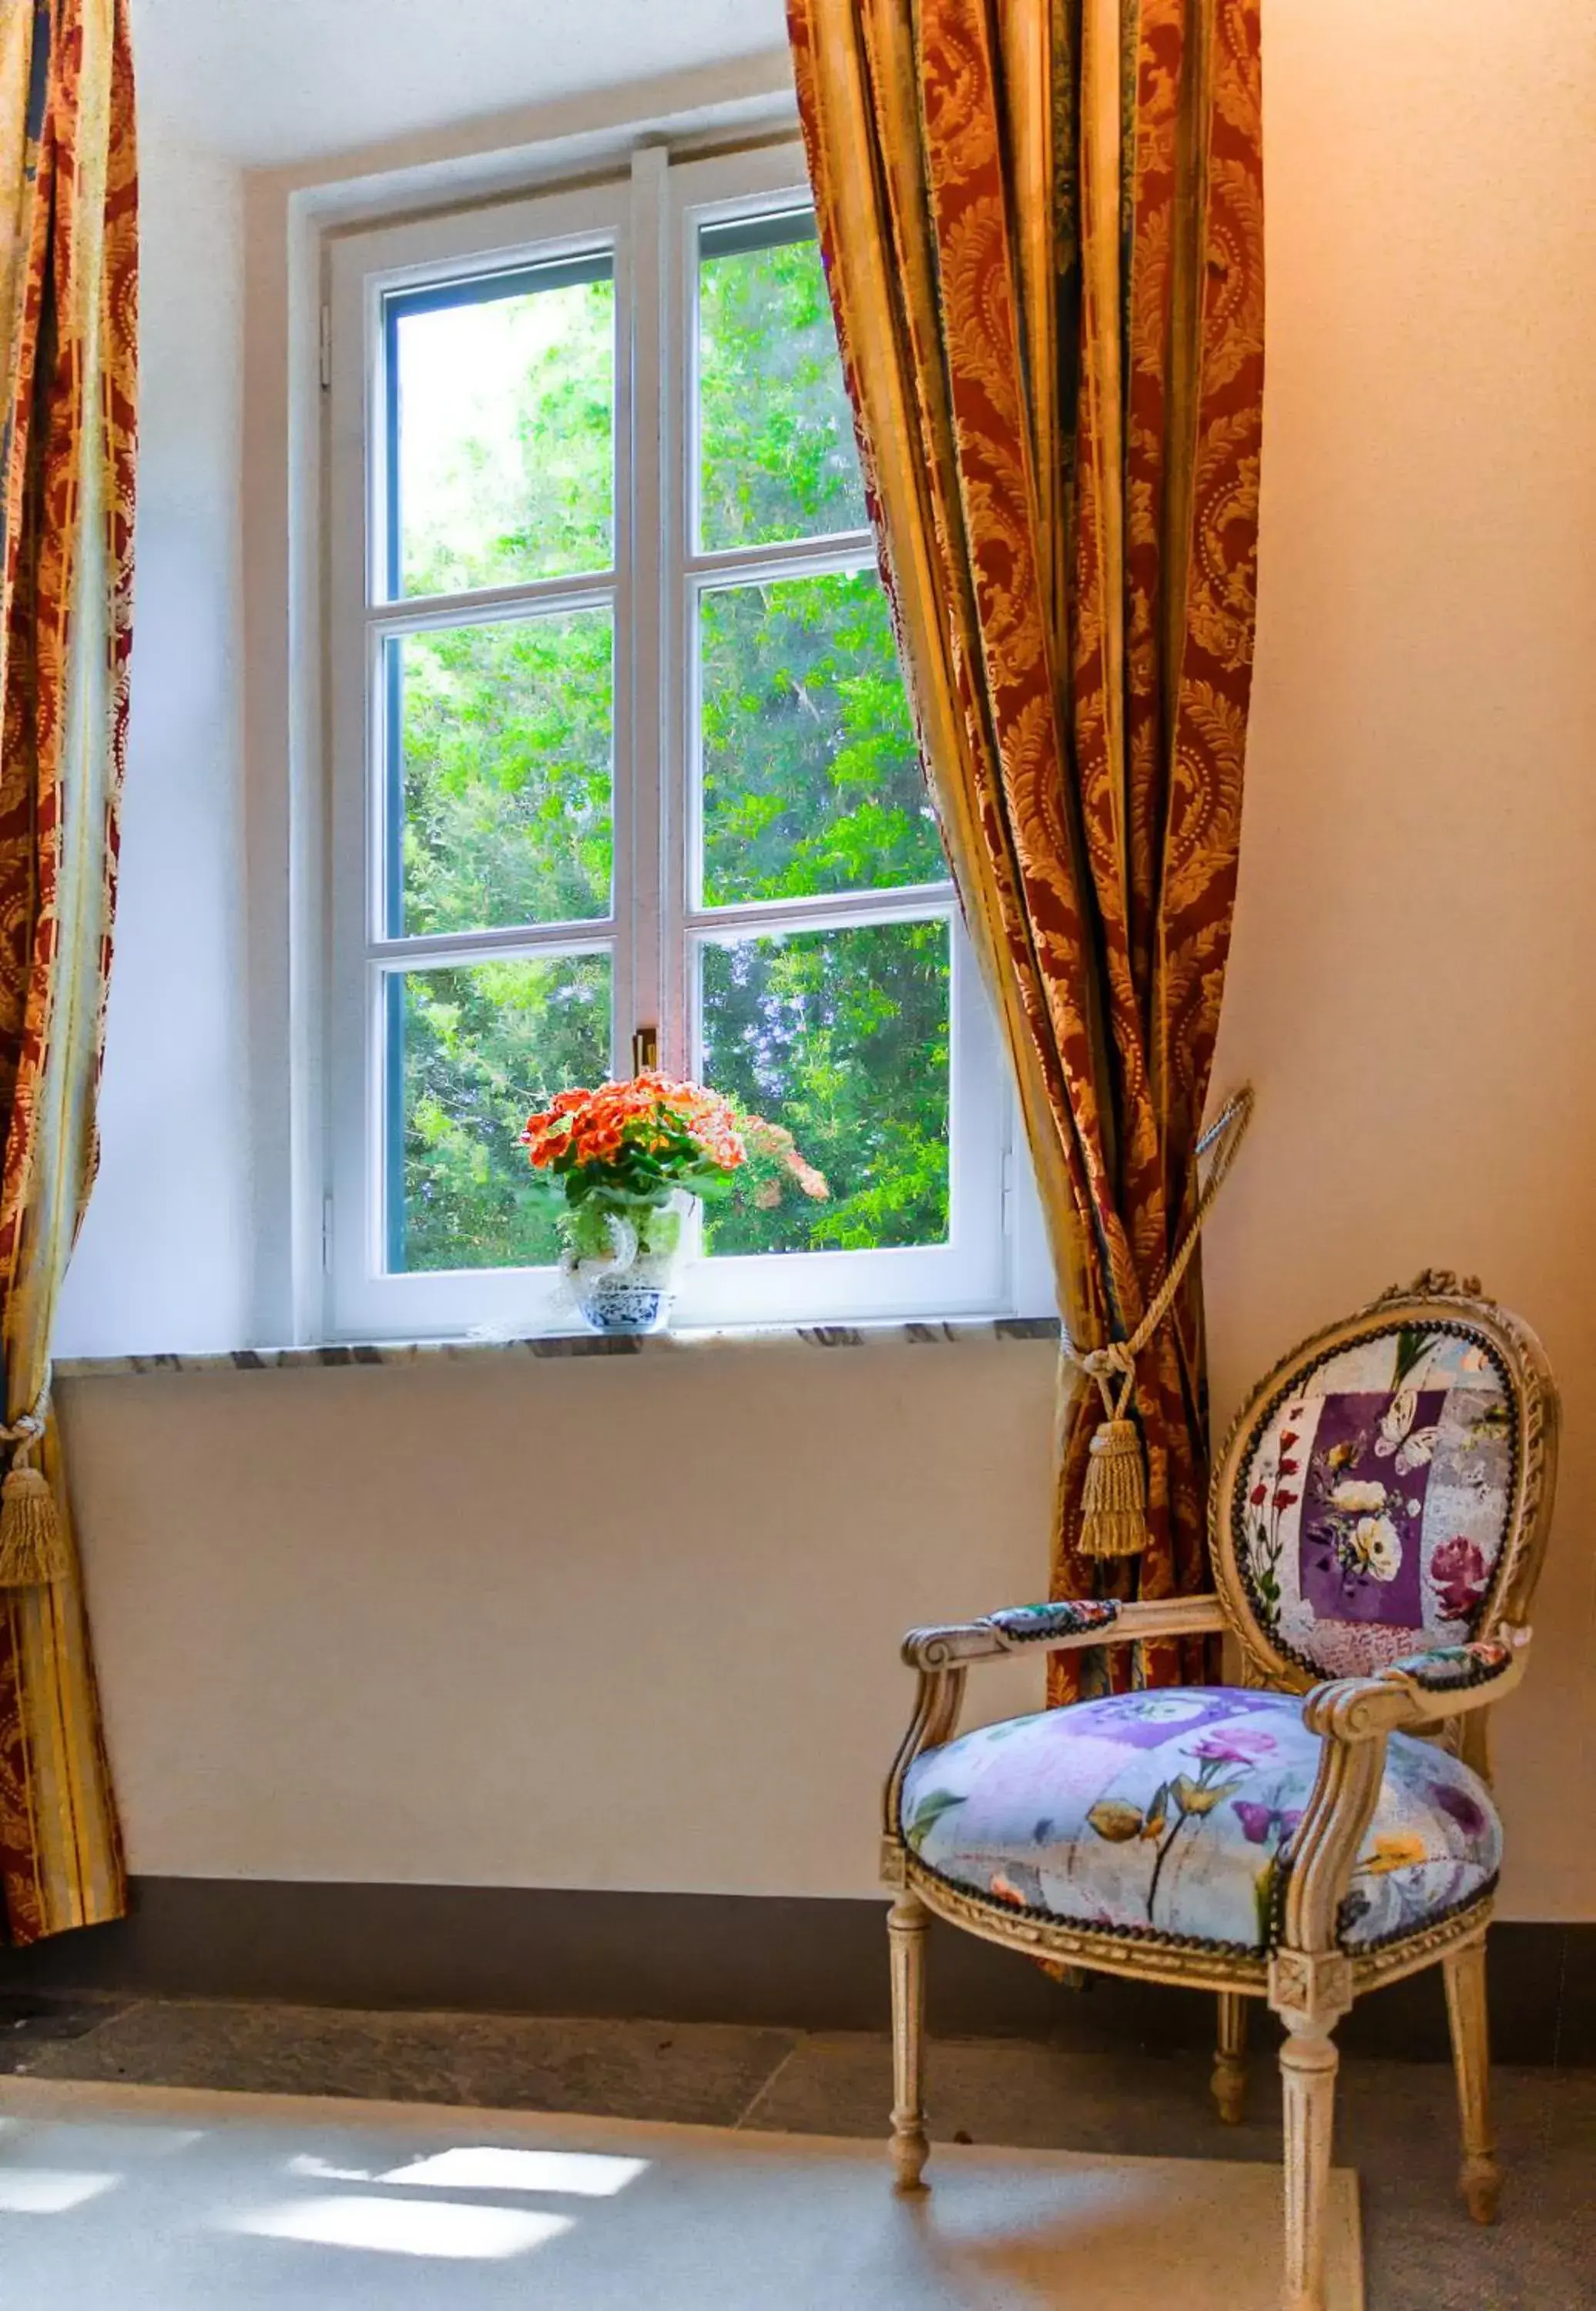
620	743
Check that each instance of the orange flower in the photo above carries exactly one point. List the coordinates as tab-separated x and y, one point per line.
652	1114
1393	1853
814	1183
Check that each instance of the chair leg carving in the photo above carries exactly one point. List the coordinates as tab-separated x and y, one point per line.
1479	2178
1229	2083
1308	2066
906	1924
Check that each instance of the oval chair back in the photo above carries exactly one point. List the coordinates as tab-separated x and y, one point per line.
1387	1489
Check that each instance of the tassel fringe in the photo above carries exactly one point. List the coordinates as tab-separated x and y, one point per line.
1115	1498
33	1546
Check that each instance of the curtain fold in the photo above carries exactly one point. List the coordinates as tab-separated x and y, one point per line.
1043	224
68	329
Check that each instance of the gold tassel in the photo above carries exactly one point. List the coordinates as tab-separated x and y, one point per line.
33	1546
1114	1497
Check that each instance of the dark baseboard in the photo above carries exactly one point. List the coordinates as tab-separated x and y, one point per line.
713	1957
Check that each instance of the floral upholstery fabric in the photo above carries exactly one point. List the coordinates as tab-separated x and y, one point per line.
1375	1501
1454	1669
1067	1617
1167	1812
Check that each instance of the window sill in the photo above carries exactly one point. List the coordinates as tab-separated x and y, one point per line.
920	1333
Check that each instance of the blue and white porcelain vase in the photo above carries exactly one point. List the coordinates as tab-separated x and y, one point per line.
631	1287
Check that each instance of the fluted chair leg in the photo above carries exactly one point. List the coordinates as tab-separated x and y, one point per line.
1308	2066
906	1924
1229	2083
1479	2178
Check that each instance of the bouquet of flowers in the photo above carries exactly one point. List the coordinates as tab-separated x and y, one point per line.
634	1153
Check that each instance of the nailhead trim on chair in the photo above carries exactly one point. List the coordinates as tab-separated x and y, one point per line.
1155	1936
1454	1669
1149	1935
1482	1893
1238	1514
1067	1617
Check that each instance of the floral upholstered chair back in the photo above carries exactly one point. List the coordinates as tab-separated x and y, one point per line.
1381	1493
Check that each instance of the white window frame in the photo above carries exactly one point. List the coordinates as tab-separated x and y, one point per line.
648	217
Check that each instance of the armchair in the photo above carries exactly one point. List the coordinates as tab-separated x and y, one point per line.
1377	1522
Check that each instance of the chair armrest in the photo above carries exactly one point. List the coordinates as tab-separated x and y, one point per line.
1421	1689
1064	1627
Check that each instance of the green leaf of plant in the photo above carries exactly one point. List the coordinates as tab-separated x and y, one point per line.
927	1812
1411	1345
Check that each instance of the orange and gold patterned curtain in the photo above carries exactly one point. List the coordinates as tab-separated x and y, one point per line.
68	329
1043	222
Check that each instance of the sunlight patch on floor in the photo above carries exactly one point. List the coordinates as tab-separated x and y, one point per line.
584	2173
441	2228
43	2191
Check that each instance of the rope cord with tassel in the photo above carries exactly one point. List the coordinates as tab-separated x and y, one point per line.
1114	1496
32	1545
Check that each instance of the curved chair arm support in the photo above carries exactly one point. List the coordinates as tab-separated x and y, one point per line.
1353	1717
936	1700
1064	1627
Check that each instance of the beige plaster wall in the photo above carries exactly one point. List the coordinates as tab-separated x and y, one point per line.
580	1622
1415	956
410	1625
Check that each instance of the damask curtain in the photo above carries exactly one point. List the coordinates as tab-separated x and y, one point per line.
1042	225
68	326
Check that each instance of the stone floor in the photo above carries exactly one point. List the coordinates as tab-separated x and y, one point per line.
1395	2124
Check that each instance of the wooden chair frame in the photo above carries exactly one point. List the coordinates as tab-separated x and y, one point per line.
1307	1979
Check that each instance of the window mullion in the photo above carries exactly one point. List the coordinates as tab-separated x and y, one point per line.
640	976
677	626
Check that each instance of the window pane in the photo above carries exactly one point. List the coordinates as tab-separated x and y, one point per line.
472	1050
500	780
502	429
812	779
841	1037
777	456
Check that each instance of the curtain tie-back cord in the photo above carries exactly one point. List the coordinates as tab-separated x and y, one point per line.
32	1545
1114	1496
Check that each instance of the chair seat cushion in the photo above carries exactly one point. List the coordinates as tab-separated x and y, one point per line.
1165	1813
